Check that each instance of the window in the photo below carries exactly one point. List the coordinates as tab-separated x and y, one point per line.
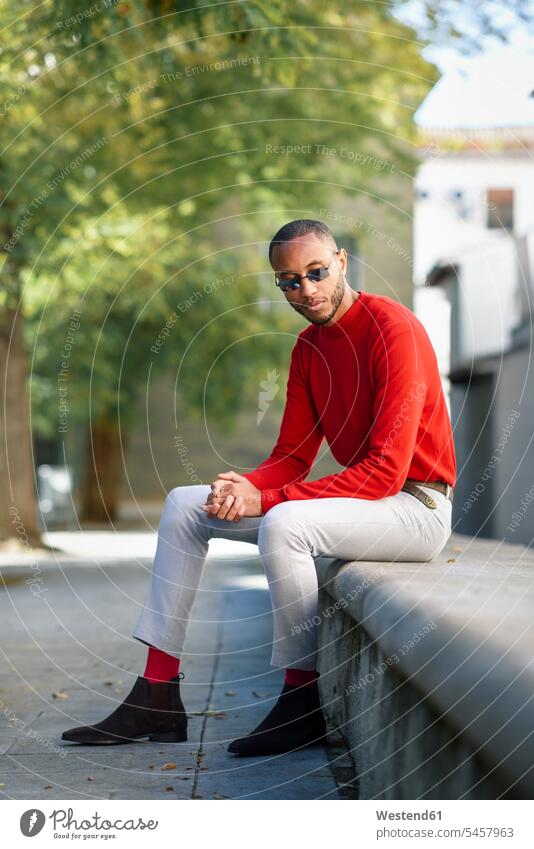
459	203
421	194
500	208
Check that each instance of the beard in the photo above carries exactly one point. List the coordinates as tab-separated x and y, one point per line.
337	297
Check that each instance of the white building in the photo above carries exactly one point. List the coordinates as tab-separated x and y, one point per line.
474	199
473	281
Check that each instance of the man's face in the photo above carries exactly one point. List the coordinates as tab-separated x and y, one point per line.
316	301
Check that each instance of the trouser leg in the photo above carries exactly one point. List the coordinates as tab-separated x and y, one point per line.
183	542
292	534
289	537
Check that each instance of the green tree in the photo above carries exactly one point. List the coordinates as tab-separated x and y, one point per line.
136	137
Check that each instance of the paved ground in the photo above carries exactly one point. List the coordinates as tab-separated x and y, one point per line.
70	658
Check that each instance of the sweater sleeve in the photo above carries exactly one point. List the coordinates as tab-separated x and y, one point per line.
399	396
298	441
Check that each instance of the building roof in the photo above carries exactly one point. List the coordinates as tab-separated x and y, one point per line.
491	91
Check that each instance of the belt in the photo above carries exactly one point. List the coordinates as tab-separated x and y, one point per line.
413	487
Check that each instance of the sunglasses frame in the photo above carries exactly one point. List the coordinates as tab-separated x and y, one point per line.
294	282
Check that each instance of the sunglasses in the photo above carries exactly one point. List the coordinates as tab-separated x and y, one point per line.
287	280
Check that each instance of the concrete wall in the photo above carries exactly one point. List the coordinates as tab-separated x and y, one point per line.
493	416
400	747
426	670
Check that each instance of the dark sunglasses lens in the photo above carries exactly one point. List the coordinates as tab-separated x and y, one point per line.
293	283
315	275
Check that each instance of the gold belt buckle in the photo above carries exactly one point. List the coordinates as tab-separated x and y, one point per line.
420	494
429	501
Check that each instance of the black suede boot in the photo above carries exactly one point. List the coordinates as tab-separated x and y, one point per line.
295	721
150	710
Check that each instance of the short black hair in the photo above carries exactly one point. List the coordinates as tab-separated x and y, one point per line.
300	227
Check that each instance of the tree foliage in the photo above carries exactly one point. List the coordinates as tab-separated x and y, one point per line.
150	149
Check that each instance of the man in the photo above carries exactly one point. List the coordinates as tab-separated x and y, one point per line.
363	375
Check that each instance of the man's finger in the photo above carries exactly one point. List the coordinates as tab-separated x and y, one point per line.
229	476
230	516
211	509
240	513
219	494
212	504
226	490
225	506
221	487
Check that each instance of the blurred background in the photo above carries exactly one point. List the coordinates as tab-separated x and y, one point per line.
150	151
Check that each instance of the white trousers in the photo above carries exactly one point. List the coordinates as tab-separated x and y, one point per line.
289	537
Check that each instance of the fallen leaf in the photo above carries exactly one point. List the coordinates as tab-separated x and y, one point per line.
46	787
259	695
219	796
230	693
169	788
151	766
90	778
60	695
169	766
216	713
108	683
451	560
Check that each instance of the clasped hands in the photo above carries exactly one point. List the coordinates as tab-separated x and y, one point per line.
232	496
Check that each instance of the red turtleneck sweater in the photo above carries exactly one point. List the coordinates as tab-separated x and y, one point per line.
370	385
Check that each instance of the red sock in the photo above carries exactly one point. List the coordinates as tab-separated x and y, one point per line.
298	677
160	666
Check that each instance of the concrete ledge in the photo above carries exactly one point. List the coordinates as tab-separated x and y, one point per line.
428	669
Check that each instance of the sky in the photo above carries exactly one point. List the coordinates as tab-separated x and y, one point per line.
451	57
482	87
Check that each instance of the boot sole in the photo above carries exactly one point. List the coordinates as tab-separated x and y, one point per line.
318	741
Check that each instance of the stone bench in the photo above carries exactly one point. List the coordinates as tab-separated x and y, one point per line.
427	669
